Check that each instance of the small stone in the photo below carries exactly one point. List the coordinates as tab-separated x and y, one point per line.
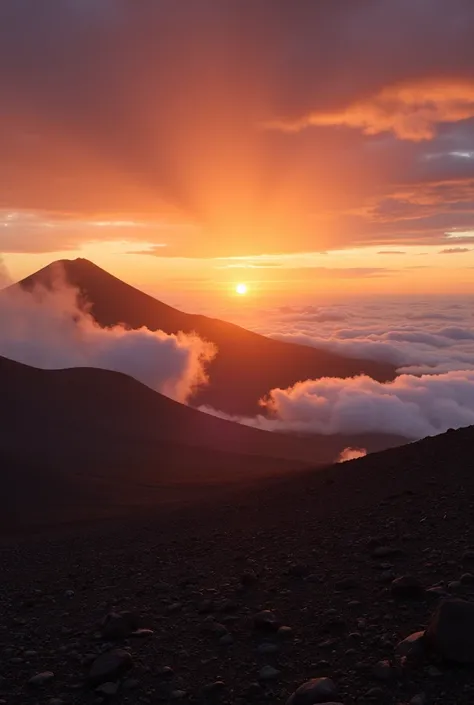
166	672
285	632
467	579
178	694
375	694
248	578
413	647
434	672
219	629
268	673
69	594
419	699
316	690
454	585
436	592
175	607
298	570
266	649
211	690
41	678
407	587
142	633
119	625
383	671
130	684
468	556
226	640
266	621
387	576
109	666
53	701
108	690
30	654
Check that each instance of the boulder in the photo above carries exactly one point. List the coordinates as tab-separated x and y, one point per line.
316	690
109	666
407	587
450	632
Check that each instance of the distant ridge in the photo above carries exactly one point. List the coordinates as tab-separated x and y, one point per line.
81	443
248	365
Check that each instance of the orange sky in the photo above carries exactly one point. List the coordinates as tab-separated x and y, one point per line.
322	160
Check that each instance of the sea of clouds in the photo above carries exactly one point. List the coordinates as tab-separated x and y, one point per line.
430	341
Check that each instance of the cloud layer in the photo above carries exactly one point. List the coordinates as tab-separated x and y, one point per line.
48	329
151	111
430	341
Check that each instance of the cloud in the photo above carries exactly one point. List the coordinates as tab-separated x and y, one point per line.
351	454
49	329
454	251
391	252
140	111
412	110
409	406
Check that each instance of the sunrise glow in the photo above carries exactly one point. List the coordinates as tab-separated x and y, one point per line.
241	289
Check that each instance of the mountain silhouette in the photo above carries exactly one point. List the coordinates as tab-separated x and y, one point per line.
87	441
247	366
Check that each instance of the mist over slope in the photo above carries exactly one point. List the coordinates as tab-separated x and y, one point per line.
52	328
247	365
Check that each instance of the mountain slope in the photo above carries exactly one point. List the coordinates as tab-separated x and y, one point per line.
96	441
247	366
312	548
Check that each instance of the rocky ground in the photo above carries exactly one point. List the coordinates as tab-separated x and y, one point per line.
166	608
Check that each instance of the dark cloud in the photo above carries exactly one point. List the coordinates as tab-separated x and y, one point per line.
151	108
391	252
454	250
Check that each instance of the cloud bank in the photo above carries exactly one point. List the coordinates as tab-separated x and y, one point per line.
413	407
150	109
50	330
431	342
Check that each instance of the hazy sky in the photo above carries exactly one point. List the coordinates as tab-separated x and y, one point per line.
306	146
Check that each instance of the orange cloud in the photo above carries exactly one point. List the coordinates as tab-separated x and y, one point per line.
411	111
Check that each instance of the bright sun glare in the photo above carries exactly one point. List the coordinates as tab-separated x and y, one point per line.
241	289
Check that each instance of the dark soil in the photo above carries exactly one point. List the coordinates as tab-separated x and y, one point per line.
320	550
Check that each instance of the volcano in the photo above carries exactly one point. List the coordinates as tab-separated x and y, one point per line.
247	366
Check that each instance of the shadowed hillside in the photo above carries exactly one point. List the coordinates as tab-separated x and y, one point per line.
97	441
247	366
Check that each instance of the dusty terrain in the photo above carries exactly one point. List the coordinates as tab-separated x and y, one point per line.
319	549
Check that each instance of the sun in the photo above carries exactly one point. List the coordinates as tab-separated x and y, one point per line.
241	289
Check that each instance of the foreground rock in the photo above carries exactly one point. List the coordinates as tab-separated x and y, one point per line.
41	679
266	621
109	666
413	648
450	633
120	625
317	690
407	588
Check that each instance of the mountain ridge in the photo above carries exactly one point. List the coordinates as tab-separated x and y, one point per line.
247	365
